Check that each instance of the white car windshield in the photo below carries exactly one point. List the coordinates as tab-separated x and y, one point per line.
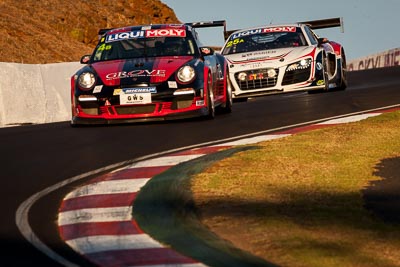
264	39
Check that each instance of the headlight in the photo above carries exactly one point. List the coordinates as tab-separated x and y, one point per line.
271	73
186	74
299	65
86	80
242	76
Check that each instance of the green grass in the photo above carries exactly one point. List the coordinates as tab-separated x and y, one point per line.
297	201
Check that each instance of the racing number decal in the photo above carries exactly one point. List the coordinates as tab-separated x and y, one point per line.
234	42
104	47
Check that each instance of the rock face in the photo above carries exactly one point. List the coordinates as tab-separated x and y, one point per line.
50	31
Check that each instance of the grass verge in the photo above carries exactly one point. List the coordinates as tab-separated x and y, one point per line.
298	201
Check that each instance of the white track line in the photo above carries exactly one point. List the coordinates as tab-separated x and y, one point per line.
109	187
350	119
112	214
93	244
253	140
164	161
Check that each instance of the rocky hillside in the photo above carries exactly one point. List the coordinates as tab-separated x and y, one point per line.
50	31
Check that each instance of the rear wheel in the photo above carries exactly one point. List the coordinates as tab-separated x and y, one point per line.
343	73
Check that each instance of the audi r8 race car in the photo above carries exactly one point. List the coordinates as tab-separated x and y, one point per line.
284	58
151	72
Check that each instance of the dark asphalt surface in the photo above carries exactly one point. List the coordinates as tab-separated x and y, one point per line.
35	157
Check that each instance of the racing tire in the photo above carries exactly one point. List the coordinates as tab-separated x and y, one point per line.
343	73
326	79
210	99
227	106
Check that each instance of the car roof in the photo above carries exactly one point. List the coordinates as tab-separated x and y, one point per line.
269	26
143	27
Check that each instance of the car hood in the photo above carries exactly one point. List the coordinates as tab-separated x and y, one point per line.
138	70
278	57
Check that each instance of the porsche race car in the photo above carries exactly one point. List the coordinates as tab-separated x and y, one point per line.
150	72
284	58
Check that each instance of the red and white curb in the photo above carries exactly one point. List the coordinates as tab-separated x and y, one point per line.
96	219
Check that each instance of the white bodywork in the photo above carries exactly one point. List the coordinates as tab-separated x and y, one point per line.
257	63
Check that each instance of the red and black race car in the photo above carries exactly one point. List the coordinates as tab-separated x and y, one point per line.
151	72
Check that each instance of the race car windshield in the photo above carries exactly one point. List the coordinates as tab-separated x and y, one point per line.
144	47
260	40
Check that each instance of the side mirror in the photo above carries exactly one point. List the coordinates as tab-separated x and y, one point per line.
206	51
322	41
85	59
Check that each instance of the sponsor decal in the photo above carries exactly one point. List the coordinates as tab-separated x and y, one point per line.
136	90
97	89
280	29
172	84
117	91
135	73
199	103
166	33
124	36
320	82
145	33
264	30
258	53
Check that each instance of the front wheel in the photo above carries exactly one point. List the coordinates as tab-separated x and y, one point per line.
210	99
227	106
325	73
324	76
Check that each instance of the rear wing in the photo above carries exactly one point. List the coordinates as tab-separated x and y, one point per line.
228	33
206	24
325	23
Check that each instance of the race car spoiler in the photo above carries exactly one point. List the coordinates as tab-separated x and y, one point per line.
204	24
324	23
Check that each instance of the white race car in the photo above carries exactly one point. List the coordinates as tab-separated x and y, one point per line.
284	58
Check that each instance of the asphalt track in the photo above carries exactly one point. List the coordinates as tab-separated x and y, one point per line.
116	218
37	157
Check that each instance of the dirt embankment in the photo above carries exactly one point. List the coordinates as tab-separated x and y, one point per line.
51	31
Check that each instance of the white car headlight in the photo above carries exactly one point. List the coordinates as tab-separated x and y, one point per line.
86	80
302	64
186	74
242	76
